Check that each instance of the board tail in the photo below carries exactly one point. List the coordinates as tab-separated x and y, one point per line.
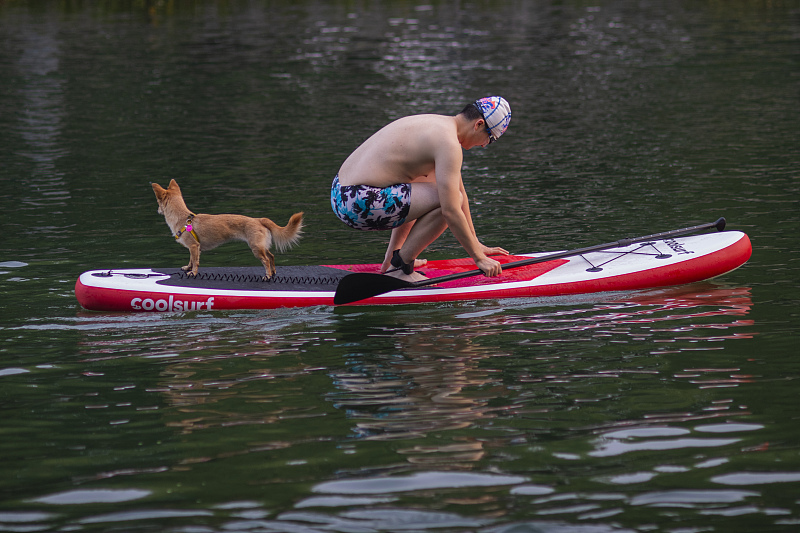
286	236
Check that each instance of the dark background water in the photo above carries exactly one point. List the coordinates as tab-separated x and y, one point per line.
669	410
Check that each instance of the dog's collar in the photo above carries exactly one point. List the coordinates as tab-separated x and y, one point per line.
187	227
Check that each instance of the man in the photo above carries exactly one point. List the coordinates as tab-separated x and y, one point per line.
407	178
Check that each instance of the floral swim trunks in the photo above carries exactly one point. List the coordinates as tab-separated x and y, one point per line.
371	208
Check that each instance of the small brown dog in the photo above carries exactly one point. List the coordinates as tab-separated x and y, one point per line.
206	232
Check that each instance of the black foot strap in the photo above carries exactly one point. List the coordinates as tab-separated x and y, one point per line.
399	264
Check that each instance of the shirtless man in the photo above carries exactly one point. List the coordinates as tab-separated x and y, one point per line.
407	178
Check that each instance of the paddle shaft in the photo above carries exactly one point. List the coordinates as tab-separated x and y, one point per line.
360	286
719	224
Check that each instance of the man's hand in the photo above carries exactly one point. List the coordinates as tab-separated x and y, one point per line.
494	250
490	267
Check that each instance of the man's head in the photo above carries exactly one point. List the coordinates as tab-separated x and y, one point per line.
495	112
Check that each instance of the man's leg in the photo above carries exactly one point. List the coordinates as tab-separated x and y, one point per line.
396	241
425	224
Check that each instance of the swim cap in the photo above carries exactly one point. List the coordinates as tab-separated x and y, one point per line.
496	112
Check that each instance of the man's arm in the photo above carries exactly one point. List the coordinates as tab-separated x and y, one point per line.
453	198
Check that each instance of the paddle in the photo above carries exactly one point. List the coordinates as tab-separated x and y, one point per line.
363	285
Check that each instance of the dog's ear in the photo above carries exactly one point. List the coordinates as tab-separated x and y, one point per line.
173	185
159	190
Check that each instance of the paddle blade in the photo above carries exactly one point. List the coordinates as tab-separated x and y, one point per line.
360	286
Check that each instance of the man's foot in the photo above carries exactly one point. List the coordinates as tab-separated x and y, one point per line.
399	274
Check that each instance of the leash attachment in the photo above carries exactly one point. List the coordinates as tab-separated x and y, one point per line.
187	227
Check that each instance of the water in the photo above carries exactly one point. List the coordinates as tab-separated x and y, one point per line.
663	410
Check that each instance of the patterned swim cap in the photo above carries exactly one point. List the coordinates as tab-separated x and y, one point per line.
496	112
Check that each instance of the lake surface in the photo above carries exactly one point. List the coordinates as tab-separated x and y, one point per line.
666	410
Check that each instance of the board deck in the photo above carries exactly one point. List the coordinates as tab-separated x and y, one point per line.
658	263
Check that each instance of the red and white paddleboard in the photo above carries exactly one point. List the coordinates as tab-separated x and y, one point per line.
654	263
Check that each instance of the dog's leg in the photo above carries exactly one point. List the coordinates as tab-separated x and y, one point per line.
267	259
270	266
194	260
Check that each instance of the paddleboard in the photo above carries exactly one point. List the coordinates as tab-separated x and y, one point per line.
658	263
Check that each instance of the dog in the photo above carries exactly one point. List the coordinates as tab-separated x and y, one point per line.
201	232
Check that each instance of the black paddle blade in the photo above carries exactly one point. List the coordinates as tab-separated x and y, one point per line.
355	287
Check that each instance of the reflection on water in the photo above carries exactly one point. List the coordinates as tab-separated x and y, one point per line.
41	119
415	391
637	318
494	388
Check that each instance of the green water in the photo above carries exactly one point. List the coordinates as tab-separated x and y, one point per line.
667	410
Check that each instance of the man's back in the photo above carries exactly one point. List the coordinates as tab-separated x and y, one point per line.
402	151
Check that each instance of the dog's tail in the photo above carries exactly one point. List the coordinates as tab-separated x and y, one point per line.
286	236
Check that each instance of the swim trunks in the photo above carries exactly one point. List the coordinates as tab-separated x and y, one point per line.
371	208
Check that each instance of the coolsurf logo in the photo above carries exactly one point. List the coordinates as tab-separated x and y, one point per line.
170	304
677	247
